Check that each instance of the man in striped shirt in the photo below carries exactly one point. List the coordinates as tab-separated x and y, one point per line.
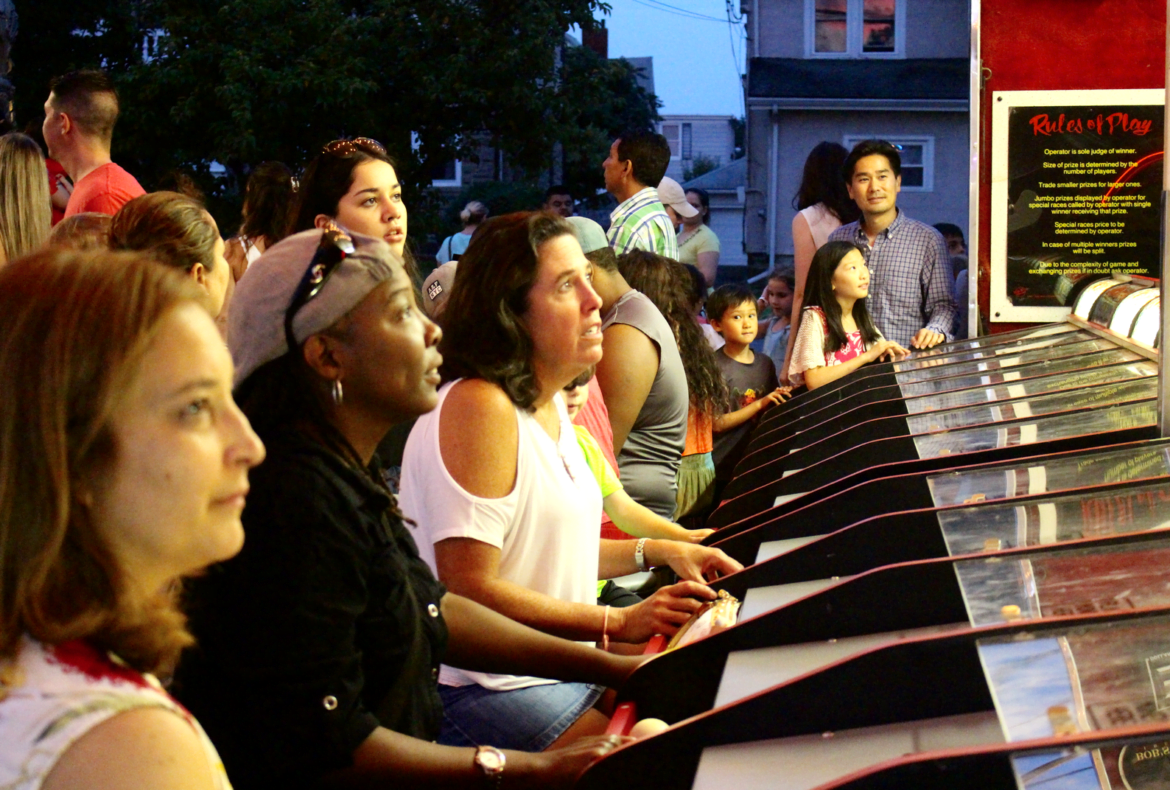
636	159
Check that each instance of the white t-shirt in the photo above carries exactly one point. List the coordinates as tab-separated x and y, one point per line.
546	528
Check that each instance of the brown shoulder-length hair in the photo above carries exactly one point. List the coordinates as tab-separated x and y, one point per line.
484	335
175	229
74	328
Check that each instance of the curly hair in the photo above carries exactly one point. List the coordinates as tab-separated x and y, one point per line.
668	285
76	327
818	292
484	335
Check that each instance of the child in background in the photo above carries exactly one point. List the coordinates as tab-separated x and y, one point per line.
628	515
772	336
751	378
836	334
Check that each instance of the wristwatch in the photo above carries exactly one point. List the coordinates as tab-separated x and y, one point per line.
491	761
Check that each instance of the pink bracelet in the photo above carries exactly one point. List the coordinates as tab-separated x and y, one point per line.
605	630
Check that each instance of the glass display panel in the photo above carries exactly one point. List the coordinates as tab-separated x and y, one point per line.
1037	386
1041	522
1127	311
1090	295
1057	351
1086	679
1076	582
969	355
1135	764
1049	475
1060	426
990	378
957	346
1024	408
1106	305
1148	324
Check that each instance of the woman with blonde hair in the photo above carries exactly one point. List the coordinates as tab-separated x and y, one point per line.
123	468
177	231
25	209
453	247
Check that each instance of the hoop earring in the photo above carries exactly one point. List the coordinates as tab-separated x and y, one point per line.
337	392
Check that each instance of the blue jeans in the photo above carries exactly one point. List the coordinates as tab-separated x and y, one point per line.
527	720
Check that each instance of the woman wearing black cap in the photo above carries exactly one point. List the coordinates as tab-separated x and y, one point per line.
321	641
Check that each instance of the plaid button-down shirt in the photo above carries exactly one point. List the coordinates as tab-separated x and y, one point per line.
640	223
910	278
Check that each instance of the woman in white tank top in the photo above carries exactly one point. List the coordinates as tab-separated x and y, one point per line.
506	506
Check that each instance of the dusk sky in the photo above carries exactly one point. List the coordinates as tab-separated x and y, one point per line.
694	71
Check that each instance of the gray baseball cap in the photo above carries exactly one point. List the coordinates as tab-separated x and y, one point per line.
589	234
265	291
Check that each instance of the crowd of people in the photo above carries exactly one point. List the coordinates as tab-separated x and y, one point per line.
365	528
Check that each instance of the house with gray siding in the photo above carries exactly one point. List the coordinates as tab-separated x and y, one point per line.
696	137
845	71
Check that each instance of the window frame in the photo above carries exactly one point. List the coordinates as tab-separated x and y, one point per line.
457	181
677	140
925	140
854	29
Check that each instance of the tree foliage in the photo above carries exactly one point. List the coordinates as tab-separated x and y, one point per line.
599	98
242	81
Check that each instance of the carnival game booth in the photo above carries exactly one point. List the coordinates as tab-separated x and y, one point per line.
1106	393
903	621
1014	686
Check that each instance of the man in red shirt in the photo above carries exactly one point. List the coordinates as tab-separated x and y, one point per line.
79	125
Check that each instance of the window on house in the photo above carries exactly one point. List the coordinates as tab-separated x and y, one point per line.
686	141
830	23
854	28
917	154
673	134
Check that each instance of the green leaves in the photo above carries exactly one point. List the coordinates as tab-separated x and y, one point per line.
242	81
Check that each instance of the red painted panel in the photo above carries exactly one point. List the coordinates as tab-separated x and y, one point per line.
1061	45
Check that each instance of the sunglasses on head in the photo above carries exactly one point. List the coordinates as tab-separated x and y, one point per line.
334	247
356	145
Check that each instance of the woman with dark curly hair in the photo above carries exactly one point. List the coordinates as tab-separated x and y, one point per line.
667	283
506	505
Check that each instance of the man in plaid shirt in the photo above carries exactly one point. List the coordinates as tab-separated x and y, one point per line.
910	290
636	159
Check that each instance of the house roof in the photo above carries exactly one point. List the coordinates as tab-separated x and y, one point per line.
728	177
872	78
644	75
